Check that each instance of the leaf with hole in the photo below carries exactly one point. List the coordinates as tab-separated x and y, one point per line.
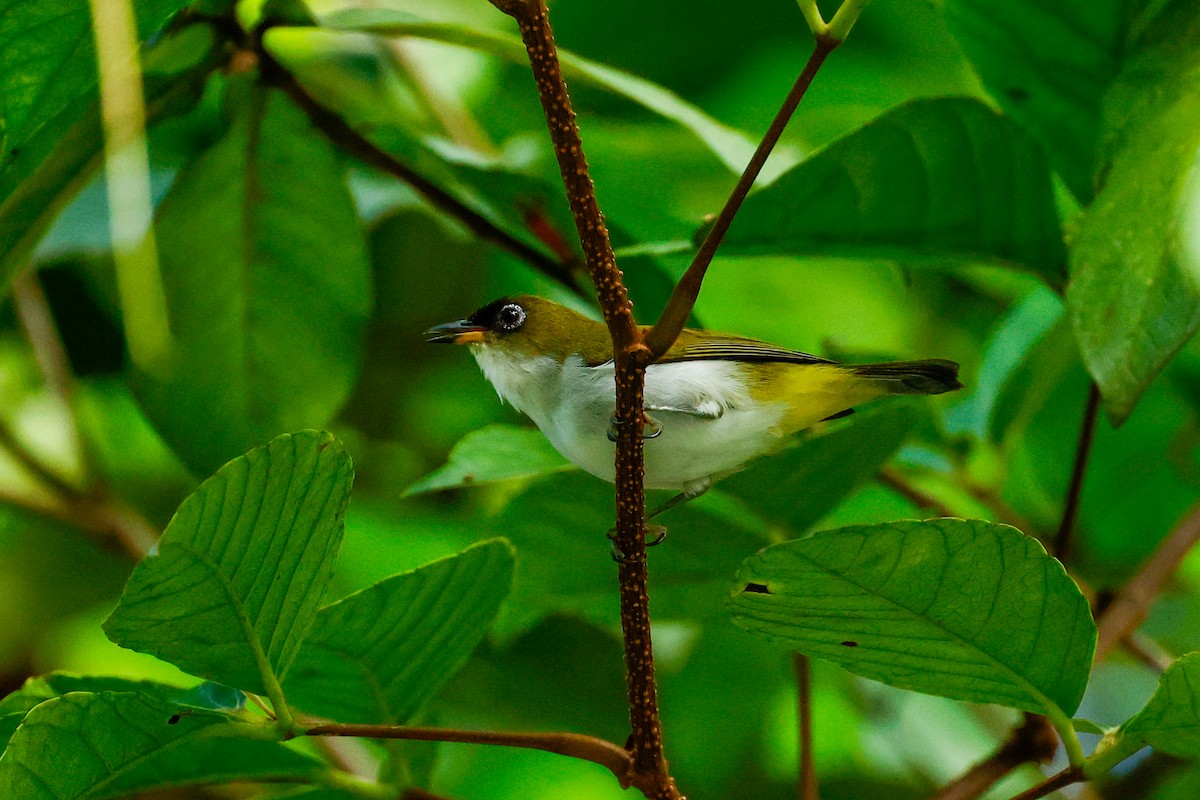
965	609
941	182
237	578
494	453
115	744
1134	296
382	653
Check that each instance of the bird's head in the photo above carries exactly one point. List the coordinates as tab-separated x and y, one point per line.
527	327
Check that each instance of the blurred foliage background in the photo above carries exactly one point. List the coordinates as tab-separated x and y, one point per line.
333	283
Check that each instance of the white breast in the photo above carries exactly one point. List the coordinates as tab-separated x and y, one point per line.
710	423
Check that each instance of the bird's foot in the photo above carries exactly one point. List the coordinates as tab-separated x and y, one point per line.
659	531
652	428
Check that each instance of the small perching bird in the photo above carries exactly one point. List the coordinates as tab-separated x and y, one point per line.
713	401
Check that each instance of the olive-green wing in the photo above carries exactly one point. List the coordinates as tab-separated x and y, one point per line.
693	346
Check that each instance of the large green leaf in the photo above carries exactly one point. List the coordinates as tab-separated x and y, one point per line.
733	147
113	744
382	653
40	176
964	609
797	486
1170	722
238	576
1047	63
1135	262
16	705
494	453
933	181
267	284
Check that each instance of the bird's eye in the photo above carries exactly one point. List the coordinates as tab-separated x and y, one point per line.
511	317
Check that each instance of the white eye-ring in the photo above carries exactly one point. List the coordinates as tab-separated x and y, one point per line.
511	317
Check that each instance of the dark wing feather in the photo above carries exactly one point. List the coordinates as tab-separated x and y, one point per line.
735	349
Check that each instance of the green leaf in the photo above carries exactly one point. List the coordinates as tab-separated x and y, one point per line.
965	609
38	179
268	286
1024	50
931	182
798	486
113	744
733	147
494	453
1135	262
238	576
382	653
1170	722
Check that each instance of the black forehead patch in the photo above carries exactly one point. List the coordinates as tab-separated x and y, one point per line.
501	316
486	315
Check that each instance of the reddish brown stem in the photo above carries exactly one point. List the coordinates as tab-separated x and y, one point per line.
1063	541
683	298
1034	740
630	357
1052	784
612	757
1129	607
807	788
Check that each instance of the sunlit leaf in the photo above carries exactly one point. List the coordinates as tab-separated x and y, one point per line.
267	286
1170	722
382	653
964	609
941	181
1135	262
494	453
113	744
1047	65
799	485
238	576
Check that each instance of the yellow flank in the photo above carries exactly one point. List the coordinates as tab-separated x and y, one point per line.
813	392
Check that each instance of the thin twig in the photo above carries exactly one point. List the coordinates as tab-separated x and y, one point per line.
1063	540
683	298
348	139
1128	608
11	442
807	788
1033	741
1148	651
33	311
898	482
612	757
1052	784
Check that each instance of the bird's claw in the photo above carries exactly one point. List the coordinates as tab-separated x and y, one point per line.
659	531
652	428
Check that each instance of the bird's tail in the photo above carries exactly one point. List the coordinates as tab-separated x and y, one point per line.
931	376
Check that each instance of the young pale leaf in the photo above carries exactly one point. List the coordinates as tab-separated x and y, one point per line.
114	744
1135	262
1023	48
933	181
494	453
964	609
1170	722
238	576
733	147
380	654
799	485
267	285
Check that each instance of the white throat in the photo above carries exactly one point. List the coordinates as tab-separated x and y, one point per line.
530	385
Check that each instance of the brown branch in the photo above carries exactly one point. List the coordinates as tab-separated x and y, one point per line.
1033	741
1128	608
1052	784
895	480
807	788
683	298
612	757
351	141
1063	540
630	357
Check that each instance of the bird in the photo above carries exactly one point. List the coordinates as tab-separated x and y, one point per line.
713	401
